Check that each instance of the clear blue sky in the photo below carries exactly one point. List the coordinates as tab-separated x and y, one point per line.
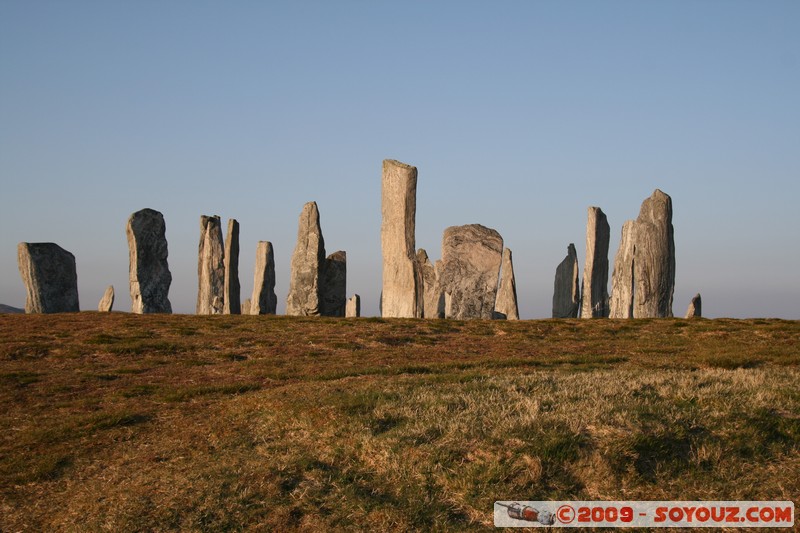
518	115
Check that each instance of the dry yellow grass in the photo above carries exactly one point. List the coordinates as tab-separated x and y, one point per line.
121	422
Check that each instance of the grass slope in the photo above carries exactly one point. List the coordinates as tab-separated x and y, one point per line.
126	422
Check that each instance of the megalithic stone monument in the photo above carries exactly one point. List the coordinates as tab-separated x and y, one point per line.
264	301
353	309
107	301
506	304
210	267
471	258
654	258
594	296
402	295
334	285
622	285
566	288
149	273
50	278
695	307
308	263
433	299
232	293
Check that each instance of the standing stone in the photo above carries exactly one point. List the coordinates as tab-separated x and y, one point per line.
433	299
231	295
148	268
695	307
264	301
506	304
402	295
471	258
308	263
107	301
567	289
654	258
210	267
50	278
594	299
334	285
246	305
353	309
622	284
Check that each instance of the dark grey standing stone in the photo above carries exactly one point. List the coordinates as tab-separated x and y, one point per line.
471	258
264	301
232	292
594	296
210	267
308	264
566	288
695	307
107	301
50	278
149	274
654	258
334	285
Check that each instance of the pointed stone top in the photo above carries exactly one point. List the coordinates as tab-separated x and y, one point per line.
571	250
422	255
657	207
396	163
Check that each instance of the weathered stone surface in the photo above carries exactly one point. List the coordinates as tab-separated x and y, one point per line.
246	307
353	309
594	296
695	307
149	273
231	294
210	267
471	258
505	306
654	258
566	288
402	294
107	301
264	301
622	285
51	281
433	298
333	288
308	263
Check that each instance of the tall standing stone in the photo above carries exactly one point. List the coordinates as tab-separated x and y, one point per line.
353	309
264	301
594	296
149	273
567	289
334	285
50	278
654	258
210	267
506	304
622	284
232	293
308	263
471	258
433	299
402	294
107	301
695	307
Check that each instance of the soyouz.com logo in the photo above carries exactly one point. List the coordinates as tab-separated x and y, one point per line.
510	513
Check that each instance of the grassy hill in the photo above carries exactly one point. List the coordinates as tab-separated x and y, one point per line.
126	422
